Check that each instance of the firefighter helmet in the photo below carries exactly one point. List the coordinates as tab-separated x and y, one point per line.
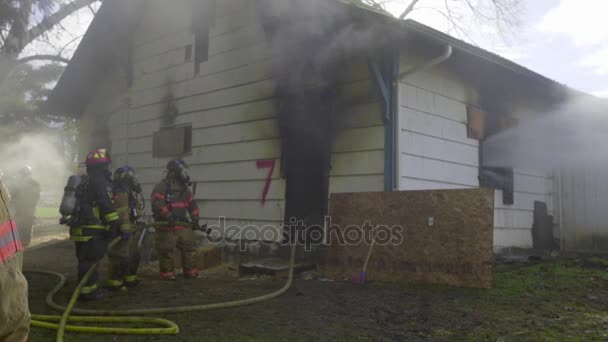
179	169
126	175
98	157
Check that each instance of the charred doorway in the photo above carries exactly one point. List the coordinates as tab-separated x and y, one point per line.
306	39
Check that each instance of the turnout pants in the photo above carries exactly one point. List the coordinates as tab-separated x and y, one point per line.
14	310
124	262
166	243
89	253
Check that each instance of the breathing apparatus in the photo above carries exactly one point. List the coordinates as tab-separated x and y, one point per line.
125	178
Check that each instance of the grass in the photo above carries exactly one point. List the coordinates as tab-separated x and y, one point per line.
561	300
44	212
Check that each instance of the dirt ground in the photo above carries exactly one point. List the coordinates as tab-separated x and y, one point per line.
544	301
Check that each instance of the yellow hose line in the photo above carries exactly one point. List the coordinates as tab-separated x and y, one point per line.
170	328
118	316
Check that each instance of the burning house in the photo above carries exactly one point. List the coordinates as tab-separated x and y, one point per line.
278	104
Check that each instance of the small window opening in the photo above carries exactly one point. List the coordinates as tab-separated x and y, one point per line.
203	13
172	141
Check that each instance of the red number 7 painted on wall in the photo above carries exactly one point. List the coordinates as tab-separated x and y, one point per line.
266	164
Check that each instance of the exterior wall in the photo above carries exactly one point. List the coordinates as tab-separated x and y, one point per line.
513	223
433	148
435	152
231	108
580	209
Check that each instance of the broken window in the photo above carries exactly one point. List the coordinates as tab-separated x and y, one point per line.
498	178
172	141
203	13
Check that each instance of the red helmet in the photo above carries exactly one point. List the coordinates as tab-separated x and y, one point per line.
98	157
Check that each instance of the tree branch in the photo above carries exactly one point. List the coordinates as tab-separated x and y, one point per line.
18	43
53	58
409	9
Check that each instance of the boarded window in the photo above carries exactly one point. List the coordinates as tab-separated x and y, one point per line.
172	142
203	13
477	123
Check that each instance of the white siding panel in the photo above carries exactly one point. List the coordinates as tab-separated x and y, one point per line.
438	171
252	111
425	101
415	121
411	184
262	149
241	94
363	115
241	170
523	201
512	238
177	71
358	163
340	184
360	139
144	129
202	85
505	218
240	190
244	210
139	145
119	146
415	144
248	131
437	79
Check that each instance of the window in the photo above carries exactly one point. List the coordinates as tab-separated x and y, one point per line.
203	13
498	178
172	141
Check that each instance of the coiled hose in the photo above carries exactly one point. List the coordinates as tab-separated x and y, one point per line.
120	316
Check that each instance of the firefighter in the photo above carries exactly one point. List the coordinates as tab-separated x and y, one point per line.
25	196
124	257
98	222
14	311
171	202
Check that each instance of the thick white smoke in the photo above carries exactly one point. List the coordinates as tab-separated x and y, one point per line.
574	135
42	153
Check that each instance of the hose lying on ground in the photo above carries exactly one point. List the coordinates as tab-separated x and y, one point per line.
118	316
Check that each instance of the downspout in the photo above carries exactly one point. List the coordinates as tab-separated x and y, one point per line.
387	80
447	53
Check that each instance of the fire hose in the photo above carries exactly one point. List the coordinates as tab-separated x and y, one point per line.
60	323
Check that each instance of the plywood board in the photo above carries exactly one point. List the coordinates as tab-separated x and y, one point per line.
446	236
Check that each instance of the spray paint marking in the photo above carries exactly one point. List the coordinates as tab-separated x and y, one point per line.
266	164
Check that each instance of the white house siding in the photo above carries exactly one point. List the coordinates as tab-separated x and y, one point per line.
435	152
513	223
433	148
229	104
231	108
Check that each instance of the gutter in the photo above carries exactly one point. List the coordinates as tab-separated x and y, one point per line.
447	53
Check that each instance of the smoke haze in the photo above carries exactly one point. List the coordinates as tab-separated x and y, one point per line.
574	135
41	152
